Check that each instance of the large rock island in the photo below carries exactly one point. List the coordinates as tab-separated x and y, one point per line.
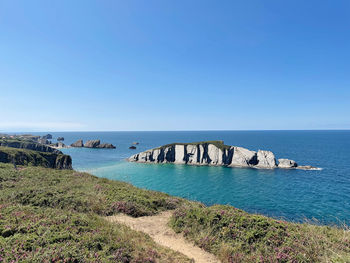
93	144
214	153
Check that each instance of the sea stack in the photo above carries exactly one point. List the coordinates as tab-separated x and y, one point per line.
78	143
214	153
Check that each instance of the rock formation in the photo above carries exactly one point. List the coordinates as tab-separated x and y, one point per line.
47	136
93	144
60	139
132	147
212	153
286	163
29	145
35	158
106	146
78	143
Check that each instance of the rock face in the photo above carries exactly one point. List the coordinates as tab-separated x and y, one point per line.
59	145
286	163
36	158
29	145
78	143
43	141
211	153
266	159
47	136
106	146
92	144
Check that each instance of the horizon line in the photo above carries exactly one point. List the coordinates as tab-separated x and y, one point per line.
339	129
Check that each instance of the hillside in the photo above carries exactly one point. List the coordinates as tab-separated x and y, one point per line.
56	215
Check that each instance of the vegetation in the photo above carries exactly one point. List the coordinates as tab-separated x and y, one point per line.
26	143
79	192
38	234
49	215
236	236
35	158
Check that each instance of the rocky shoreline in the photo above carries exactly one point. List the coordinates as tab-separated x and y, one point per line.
215	153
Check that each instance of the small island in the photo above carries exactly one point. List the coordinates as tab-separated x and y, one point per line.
92	144
214	153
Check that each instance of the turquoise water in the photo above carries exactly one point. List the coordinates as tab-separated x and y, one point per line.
291	194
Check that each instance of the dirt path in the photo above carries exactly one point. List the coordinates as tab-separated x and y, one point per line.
157	228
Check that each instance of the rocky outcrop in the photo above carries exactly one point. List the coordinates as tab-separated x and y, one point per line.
78	143
58	145
35	158
93	144
43	141
132	147
29	145
47	137
60	139
211	153
286	163
106	146
266	159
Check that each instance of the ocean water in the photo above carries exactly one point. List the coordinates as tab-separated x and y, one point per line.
294	195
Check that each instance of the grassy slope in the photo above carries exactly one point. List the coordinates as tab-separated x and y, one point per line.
37	199
236	236
51	215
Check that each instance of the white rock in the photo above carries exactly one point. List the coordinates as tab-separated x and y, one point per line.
242	157
266	159
215	155
286	163
192	154
180	154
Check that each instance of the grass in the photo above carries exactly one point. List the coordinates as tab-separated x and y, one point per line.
37	234
236	236
79	192
49	215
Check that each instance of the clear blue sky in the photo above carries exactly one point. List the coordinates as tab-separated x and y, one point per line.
174	65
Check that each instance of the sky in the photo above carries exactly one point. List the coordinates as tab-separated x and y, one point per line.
174	65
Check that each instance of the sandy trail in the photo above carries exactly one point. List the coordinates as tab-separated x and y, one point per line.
156	227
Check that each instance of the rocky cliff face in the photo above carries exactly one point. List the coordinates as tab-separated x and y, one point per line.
28	145
93	144
35	158
211	153
78	143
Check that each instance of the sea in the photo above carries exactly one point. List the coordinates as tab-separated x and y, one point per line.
321	196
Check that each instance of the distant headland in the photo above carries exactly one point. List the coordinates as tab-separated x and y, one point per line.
215	153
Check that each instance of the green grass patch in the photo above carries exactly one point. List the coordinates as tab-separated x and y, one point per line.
80	192
38	234
236	236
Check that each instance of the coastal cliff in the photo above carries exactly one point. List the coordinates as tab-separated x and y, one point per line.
20	156
214	153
